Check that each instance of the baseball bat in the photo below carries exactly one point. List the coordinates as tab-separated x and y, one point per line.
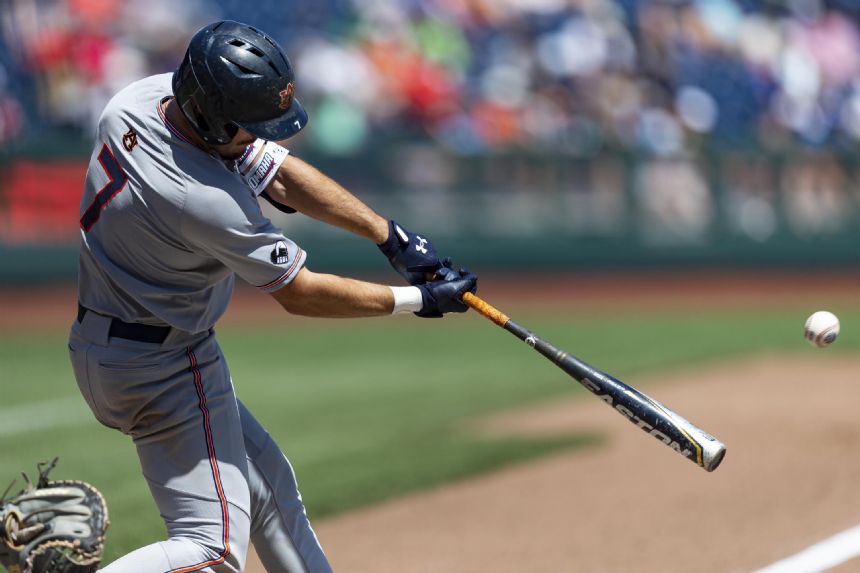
652	417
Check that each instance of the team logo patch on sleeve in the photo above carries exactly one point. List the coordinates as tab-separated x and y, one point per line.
280	254
129	140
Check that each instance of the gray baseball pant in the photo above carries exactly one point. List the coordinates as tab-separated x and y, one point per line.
218	479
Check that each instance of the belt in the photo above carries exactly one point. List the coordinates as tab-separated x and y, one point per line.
131	330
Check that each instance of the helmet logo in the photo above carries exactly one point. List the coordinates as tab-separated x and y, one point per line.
286	97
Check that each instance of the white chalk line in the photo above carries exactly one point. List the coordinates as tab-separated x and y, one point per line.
822	556
45	415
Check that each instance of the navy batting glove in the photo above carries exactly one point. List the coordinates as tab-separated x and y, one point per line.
412	256
446	295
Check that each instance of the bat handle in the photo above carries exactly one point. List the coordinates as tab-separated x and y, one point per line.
486	309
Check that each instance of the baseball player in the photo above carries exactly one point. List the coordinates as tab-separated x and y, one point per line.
169	216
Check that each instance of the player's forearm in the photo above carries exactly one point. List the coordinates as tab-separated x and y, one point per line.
330	296
305	189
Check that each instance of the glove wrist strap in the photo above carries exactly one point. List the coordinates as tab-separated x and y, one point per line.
407	299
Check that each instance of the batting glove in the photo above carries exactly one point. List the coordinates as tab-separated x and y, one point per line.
414	257
446	295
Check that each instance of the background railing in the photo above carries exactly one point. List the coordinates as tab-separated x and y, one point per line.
509	211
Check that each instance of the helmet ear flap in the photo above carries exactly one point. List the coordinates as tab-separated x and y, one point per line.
191	99
199	120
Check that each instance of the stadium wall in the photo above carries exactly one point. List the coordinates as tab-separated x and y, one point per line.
530	211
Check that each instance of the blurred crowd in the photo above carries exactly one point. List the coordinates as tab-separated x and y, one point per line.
475	75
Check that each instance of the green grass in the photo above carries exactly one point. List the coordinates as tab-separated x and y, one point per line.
367	410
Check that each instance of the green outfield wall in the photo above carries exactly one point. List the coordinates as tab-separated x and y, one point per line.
524	211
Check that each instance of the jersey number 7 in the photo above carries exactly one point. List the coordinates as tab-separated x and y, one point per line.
117	179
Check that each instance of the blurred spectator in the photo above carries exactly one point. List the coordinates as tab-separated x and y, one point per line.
78	53
750	196
477	75
676	204
817	196
11	113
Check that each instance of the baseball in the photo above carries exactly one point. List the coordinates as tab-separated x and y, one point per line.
821	329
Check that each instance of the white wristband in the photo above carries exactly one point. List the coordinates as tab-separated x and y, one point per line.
407	299
259	164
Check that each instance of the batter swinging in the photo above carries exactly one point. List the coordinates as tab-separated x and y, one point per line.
169	215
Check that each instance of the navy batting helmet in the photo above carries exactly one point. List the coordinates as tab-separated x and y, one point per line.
233	76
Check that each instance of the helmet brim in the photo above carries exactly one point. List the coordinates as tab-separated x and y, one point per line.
280	128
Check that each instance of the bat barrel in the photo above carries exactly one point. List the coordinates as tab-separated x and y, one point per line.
641	410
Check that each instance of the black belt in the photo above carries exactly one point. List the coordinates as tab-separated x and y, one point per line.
131	330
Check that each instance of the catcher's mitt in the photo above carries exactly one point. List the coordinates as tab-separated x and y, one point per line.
53	526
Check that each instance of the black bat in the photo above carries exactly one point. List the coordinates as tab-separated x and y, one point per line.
652	417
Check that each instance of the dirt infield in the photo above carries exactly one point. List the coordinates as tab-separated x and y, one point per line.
52	305
789	479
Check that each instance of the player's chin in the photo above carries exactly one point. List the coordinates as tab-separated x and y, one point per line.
234	149
230	154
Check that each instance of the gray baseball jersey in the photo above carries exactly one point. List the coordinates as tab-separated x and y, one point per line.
165	226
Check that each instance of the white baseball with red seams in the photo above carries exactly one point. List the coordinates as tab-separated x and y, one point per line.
821	329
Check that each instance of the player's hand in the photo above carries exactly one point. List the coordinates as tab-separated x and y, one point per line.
446	295
413	256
